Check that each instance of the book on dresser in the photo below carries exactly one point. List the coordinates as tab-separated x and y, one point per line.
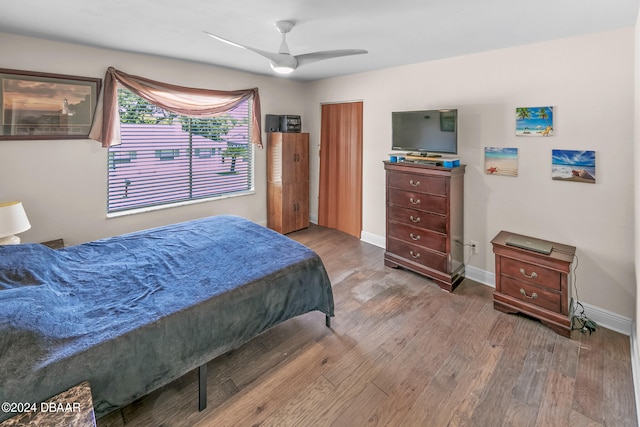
425	227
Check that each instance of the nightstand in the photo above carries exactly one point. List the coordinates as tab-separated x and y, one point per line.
533	283
54	244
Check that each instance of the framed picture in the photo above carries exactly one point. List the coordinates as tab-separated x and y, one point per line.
574	166
46	106
534	121
501	161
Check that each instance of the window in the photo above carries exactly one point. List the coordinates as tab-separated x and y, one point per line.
166	158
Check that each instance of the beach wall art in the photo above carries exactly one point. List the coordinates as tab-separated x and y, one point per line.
501	161
573	165
534	121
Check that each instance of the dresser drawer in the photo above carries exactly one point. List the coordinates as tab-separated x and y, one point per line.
540	297
418	236
422	219
418	254
418	201
531	273
418	183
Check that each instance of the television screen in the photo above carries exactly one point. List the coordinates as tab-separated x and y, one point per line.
428	131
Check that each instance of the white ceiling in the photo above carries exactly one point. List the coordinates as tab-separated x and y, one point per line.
394	32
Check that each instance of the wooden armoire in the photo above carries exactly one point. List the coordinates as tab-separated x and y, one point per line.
287	181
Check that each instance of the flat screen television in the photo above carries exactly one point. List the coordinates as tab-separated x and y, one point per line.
425	132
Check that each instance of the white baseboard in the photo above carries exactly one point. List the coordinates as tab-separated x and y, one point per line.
480	276
602	317
373	239
608	320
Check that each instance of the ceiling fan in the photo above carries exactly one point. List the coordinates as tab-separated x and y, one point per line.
282	61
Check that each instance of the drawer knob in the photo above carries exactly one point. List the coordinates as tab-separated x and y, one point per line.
533	275
533	295
414	183
414	201
416	219
414	255
414	237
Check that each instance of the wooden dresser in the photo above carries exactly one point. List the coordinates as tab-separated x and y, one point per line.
425	221
287	181
533	283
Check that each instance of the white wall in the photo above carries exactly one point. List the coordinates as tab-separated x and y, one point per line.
589	81
62	184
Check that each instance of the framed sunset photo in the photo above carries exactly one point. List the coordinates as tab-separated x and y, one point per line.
46	106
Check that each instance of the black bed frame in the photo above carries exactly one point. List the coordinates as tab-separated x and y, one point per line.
202	378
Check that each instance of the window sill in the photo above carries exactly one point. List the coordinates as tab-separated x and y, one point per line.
177	204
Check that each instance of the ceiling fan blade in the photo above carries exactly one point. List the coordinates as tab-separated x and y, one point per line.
307	58
276	58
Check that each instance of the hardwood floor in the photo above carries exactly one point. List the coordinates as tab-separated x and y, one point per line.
402	352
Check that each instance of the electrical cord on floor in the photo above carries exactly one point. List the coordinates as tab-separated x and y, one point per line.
579	320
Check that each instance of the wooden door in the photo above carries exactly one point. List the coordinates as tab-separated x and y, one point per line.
340	198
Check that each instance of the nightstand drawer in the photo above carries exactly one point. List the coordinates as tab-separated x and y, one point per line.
531	273
419	201
418	183
427	220
531	294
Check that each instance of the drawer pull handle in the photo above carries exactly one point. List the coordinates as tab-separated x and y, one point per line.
533	275
533	295
415	255
414	219
415	202
414	237
414	183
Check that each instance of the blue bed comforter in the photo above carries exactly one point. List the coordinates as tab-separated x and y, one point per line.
134	312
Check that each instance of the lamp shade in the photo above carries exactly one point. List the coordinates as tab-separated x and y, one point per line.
13	219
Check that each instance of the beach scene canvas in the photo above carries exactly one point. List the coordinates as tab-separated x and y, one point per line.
501	161
573	165
534	121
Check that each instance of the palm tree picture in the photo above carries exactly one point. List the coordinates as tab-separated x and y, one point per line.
534	121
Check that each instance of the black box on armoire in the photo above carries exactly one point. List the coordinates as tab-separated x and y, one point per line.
272	123
285	123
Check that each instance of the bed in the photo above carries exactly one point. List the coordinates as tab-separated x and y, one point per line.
134	312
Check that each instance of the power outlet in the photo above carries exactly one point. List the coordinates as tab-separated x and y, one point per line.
474	246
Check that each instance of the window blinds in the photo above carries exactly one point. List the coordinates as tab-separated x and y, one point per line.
166	158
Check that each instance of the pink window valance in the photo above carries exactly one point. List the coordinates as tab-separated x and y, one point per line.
181	100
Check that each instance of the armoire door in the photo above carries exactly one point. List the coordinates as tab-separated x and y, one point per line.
295	153
295	207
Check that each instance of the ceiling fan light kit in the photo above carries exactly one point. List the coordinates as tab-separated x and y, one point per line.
281	69
283	62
